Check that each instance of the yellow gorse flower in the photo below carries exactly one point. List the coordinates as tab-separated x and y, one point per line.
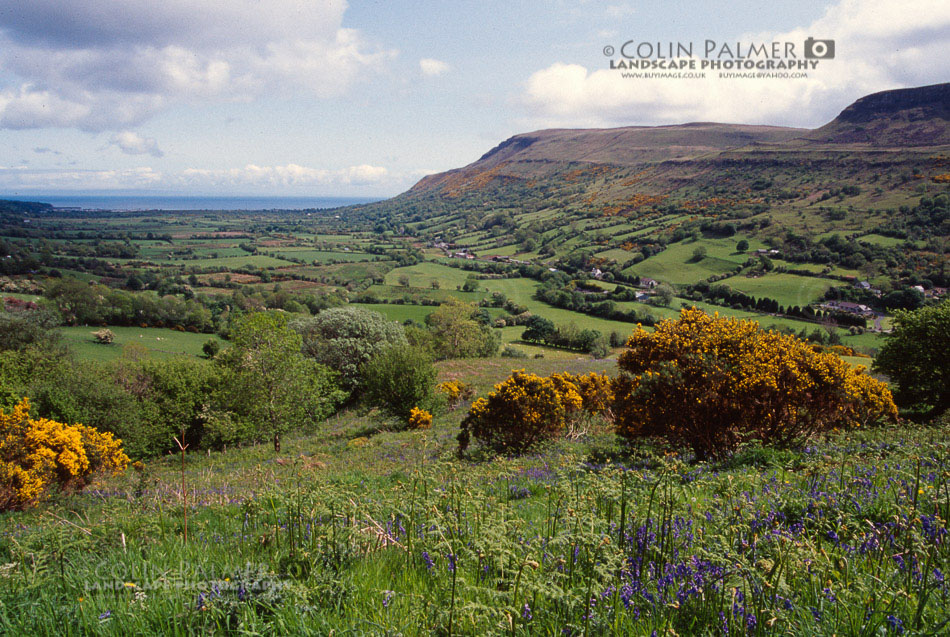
37	453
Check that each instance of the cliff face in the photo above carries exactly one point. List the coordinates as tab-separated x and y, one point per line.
900	118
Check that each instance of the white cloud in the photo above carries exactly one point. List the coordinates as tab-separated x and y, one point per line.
290	175
132	143
880	45
251	177
431	67
620	10
111	64
20	178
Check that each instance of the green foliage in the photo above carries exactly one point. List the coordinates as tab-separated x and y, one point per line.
24	328
915	357
400	378
211	348
345	338
458	334
270	383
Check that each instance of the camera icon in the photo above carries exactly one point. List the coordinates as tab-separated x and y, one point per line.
819	49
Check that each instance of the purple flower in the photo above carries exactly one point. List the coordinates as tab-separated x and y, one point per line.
427	560
896	624
106	615
526	612
388	598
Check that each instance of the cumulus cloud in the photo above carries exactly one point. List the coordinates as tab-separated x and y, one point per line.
431	67
111	64
290	175
132	143
21	178
251	177
880	45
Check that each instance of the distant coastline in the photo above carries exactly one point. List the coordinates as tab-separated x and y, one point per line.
157	202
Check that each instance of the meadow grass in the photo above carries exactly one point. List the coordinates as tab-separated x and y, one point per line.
360	529
158	341
676	265
788	289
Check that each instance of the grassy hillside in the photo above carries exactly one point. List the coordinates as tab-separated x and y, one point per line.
356	528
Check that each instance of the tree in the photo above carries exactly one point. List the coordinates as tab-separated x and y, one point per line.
539	329
699	253
662	295
404	280
914	356
345	338
401	378
272	384
458	334
742	246
713	383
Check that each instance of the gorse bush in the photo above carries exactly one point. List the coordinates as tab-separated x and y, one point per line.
37	454
527	409
712	383
419	418
455	391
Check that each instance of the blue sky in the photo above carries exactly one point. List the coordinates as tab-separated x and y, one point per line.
323	97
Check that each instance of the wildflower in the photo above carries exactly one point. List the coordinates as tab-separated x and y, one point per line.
105	615
427	560
388	598
896	624
526	612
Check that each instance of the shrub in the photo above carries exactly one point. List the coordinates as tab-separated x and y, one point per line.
104	336
712	383
513	352
914	356
400	379
595	390
36	455
458	333
345	338
419	418
520	412
211	348
455	391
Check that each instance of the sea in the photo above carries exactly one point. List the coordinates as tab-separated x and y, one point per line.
181	202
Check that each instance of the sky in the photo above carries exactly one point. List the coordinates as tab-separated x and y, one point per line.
363	98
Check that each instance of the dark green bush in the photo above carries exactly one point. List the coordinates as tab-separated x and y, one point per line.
399	378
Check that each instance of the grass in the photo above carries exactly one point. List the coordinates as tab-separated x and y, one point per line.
361	531
675	264
160	342
421	275
788	289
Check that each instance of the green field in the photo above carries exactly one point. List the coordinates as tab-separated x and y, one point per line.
421	275
788	289
160	342
321	256
675	264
